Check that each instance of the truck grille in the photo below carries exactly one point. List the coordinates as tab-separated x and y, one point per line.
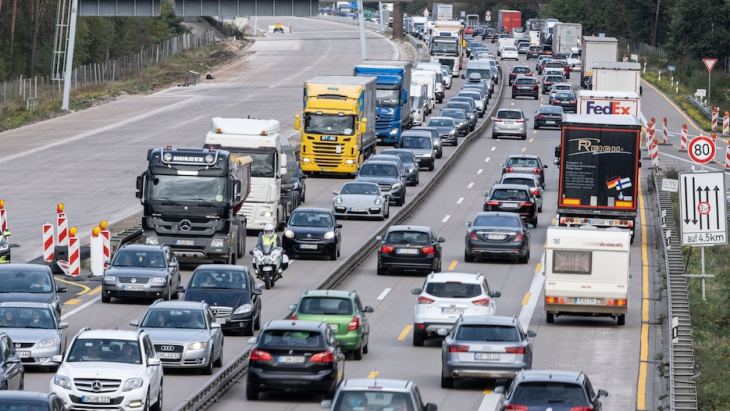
87	384
198	227
384	121
325	152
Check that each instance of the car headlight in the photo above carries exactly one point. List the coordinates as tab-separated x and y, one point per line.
46	343
62	381
410	170
452	132
197	346
110	278
289	234
246	308
216	243
395	186
267	214
378	201
427	155
338	200
152	240
461	124
133	383
159	280
329	235
4	247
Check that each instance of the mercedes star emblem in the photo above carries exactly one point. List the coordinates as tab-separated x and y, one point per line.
186	225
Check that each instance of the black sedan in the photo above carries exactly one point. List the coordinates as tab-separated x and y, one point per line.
460	118
500	234
12	374
549	116
567	100
410	249
512	198
312	232
31	400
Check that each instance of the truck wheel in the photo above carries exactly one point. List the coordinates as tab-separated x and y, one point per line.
621	319
549	317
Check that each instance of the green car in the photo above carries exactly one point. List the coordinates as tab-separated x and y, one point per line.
344	313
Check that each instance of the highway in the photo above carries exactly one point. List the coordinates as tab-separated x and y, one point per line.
89	160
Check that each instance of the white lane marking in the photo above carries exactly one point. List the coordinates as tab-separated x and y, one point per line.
446	218
490	402
384	294
486	160
470	185
79	308
494	148
535	288
479	171
459	200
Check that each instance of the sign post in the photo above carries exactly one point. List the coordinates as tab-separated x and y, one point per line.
709	63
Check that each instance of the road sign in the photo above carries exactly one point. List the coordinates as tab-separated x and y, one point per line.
701	149
702	209
709	63
670	185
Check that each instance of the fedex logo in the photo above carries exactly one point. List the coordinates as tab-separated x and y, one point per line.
609	107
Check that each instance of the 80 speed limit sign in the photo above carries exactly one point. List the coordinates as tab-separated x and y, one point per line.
701	149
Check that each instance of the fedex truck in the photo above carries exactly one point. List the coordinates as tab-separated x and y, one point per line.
609	102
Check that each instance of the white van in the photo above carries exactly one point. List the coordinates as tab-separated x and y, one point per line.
587	272
419	103
436	68
428	78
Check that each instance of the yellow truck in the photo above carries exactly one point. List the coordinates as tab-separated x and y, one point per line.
337	124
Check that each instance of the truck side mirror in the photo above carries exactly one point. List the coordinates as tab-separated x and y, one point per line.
557	151
140	184
282	159
403	96
296	122
363	125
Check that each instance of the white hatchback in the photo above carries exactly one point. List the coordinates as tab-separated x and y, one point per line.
510	52
444	297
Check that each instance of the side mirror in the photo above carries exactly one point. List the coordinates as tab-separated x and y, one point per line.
292	307
379	238
180	289
416	291
368	309
215	324
60	288
296	122
251	340
250	252
495	294
442	240
62	325
338	225
134	323
154	362
531	333
256	291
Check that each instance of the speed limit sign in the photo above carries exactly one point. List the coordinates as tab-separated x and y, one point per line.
701	149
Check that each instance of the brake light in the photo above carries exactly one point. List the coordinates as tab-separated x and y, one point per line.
508	169
526	204
482	302
519	237
424	300
387	248
428	250
528	74
497	120
294	317
586	408
458	348
473	235
537	170
492	203
258	355
519	121
324	356
515	350
513	74
354	324
516	407
535	192
540	115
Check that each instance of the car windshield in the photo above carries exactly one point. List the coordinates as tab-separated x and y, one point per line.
416	142
104	350
129	258
487	333
441	122
221	279
311	219
26	282
358	188
290	339
380	400
510	195
453	289
382	170
174	318
325	305
407	237
497	221
27	317
548	392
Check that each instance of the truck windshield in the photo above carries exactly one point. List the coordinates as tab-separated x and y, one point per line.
262	165
446	47
330	124
387	98
187	188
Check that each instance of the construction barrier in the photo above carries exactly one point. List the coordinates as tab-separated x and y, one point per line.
106	247
96	252
62	226
48	245
727	158
726	124
714	138
683	144
715	114
3	217
665	139
654	152
74	260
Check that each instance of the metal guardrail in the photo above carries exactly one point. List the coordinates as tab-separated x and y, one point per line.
682	388
703	108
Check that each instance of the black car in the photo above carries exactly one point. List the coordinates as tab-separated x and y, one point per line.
387	176
518	70
498	234
410	164
472	115
142	270
567	100
549	116
410	249
12	374
295	355
313	232
533	52
525	86
488	33
551	389
31	400
513	198
460	118
30	282
232	294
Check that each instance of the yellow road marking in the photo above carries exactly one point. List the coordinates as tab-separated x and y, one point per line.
487	391
95	291
72	301
373	374
453	265
405	332
523	149
538	268
526	298
644	339
84	290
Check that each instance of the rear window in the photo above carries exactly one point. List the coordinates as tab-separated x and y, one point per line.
551	392
521	69
454	290
510	114
407	237
572	262
487	333
522	162
510	195
498	221
325	305
290	339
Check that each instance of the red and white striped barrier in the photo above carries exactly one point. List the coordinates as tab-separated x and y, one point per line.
62	226
727	158
726	124
74	260
654	152
3	217
48	243
714	138
715	114
683	144
665	139
106	246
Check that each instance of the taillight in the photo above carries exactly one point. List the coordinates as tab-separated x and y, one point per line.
458	348
428	250
516	407
492	203
497	120
294	317
528	74
481	302
513	74
508	169
535	192
519	237
424	300
540	115
582	408
258	355
354	324
385	248
537	170
519	121
324	356
515	350
526	204
473	235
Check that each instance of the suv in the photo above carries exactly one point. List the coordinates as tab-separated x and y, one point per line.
409	248
512	198
388	176
116	369
509	122
485	347
547	388
343	312
294	355
30	282
525	86
525	163
362	393
549	80
142	270
562	65
410	164
444	297
421	144
437	143
518	70
533	51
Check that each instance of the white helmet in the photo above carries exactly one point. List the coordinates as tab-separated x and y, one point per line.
269	230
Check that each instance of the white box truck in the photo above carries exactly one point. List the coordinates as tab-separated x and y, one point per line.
567	37
609	102
427	77
596	49
587	272
616	76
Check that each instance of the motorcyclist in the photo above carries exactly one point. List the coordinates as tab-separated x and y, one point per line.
268	237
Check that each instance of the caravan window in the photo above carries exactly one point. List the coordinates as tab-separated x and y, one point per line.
572	262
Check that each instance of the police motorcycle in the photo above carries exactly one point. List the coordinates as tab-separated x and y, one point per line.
269	261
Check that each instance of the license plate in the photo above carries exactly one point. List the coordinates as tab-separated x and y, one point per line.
486	356
357	210
496	236
327	138
184	242
169	355
291	359
95	398
23	354
451	310
510	205
221	320
308	246
334	327
406	251
586	301
133	287
550	122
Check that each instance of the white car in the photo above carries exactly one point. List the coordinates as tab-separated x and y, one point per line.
444	297
510	52
360	199
105	369
557	88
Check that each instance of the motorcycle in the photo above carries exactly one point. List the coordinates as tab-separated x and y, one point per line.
268	263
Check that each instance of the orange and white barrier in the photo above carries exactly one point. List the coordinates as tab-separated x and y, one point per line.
665	139
715	114
74	255
3	217
727	158
62	226
683	144
714	138
654	152
106	246
726	124
48	243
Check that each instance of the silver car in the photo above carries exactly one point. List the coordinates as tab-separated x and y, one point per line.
36	331
509	122
185	334
361	199
529	180
484	347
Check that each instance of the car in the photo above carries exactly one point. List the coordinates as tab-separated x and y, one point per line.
408	175
460	119
559	64
313	231
30	401
142	270
525	163
469	108
523	46
509	52
519	70
497	234
344	314
480	71
437	143
525	86
541	60
103	367
567	100
408	248
549	116
410	164
559	87
185	334
575	61
546	389
231	292
480	88
5	254
446	75
548	81
12	372
446	127
444	297
36	330
477	98
30	282
294	355
478	31
421	144
488	33
298	181
387	176
509	122
533	52
529	180
514	198
472	104
492	347
361	199
378	393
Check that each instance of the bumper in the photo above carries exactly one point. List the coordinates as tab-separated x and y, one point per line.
123	291
458	369
517	93
430	329
505	250
426	162
188	359
323	380
294	247
399	194
74	400
375	211
426	265
581	309
548	123
38	357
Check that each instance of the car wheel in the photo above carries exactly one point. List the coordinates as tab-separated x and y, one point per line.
105	298
536	127
534	221
252	393
523	137
535	97
219	361
549	317
418	339
447	382
147	401
431	167
439	154
330	394
387	208
399	201
168	293
525	259
257	322
366	346
208	369
513	96
494	136
357	354
248	330
456	141
621	319
468	258
382	271
539	210
158	404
